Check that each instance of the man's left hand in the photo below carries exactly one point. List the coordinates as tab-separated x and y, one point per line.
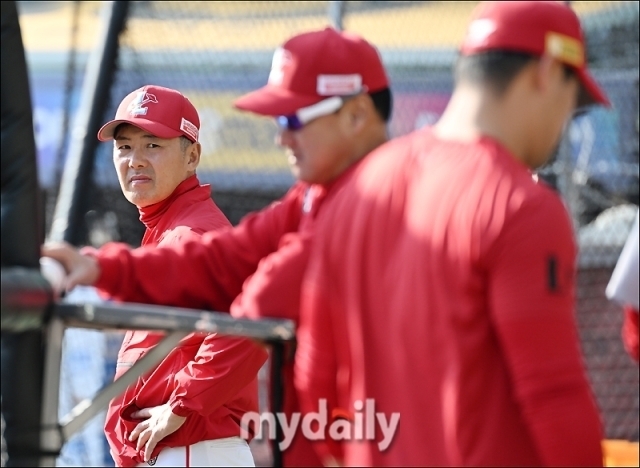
159	422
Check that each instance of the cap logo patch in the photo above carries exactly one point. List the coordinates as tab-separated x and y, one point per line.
189	128
281	58
479	31
565	48
135	107
339	85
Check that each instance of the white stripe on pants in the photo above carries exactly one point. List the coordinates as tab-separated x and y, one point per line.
232	451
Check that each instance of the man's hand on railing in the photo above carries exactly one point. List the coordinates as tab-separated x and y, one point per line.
81	269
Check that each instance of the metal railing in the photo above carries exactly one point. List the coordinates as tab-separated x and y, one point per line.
28	303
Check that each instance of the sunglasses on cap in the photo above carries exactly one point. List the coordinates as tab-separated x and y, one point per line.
305	115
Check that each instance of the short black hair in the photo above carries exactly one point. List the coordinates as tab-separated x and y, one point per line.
184	143
117	129
497	68
383	102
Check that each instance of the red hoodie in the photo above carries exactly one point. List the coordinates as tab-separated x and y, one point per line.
208	378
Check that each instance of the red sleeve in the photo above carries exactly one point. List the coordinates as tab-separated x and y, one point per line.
181	234
316	366
223	366
204	273
630	332
532	298
274	289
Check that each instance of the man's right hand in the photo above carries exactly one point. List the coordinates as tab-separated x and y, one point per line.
81	269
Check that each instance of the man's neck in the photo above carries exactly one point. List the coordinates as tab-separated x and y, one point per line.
376	136
368	142
473	113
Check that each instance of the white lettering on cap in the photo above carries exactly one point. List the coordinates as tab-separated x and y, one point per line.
339	85
135	107
189	128
281	57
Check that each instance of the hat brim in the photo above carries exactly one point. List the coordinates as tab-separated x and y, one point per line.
106	133
590	93
274	101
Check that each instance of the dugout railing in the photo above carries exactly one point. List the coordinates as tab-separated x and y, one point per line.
28	303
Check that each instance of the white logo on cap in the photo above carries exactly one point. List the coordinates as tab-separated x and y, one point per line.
479	31
339	85
189	128
281	57
135	107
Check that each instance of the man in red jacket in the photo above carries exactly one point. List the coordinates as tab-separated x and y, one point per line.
329	94
186	410
438	310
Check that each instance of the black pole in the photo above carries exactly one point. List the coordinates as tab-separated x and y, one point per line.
22	354
21	207
68	92
68	218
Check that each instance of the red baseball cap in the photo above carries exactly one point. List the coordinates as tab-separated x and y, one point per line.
312	66
535	27
163	112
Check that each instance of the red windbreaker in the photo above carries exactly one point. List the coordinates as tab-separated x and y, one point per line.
254	269
441	286
208	378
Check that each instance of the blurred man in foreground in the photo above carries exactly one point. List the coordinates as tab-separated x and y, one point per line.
441	289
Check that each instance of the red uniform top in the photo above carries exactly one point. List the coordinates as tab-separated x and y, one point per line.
254	269
208	378
441	285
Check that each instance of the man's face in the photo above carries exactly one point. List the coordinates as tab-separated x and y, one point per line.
320	150
150	168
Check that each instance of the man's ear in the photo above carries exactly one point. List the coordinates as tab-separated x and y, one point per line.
195	151
360	108
544	71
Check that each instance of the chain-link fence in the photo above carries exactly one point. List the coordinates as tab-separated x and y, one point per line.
215	51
